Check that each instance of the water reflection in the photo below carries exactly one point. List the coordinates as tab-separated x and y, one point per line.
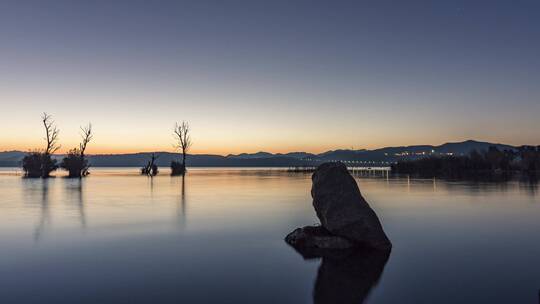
75	189
182	206
41	194
144	245
345	276
474	187
45	216
530	184
151	182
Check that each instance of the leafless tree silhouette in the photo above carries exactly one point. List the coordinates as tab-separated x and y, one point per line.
39	163
86	136
75	161
151	167
183	143
51	134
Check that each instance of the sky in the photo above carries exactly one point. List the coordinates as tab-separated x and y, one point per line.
273	76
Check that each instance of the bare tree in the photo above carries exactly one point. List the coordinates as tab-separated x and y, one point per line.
151	168
39	163
51	134
86	136
183	142
75	162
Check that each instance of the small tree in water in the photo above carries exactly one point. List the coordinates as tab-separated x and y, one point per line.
40	163
75	162
31	163
151	167
183	143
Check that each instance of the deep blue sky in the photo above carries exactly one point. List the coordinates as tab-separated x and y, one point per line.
271	75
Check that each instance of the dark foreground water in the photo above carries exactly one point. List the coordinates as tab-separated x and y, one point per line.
217	237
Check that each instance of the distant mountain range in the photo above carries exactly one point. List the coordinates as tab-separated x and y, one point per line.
383	156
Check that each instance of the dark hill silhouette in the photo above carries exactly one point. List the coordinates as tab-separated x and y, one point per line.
251	155
265	159
11	158
469	145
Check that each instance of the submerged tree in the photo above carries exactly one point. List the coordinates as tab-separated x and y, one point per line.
183	143
31	163
151	168
40	163
75	162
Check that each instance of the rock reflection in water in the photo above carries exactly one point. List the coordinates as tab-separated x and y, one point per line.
346	276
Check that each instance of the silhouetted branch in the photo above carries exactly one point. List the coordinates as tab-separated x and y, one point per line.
51	134
183	143
151	167
181	131
75	162
86	136
40	163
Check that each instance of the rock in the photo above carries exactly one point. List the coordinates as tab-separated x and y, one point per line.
316	237
341	208
351	242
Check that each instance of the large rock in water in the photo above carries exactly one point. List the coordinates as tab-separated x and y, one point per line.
341	208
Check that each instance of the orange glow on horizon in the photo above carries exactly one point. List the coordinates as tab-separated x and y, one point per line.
216	149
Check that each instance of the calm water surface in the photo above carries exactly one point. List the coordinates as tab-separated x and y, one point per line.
216	236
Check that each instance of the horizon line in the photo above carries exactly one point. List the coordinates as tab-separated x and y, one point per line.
289	152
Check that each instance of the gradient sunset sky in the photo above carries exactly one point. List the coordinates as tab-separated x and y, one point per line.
276	76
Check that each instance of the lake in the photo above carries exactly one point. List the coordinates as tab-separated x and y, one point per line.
216	236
